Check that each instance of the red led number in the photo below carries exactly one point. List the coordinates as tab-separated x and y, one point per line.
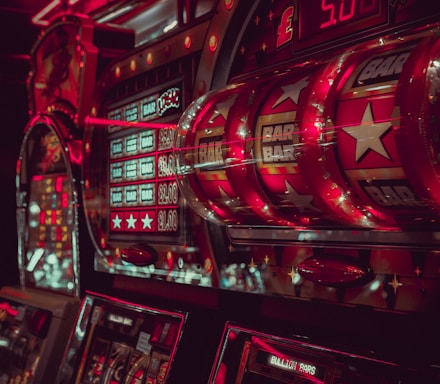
285	30
344	10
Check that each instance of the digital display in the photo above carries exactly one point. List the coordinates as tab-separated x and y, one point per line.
137	215
143	192
123	343
49	217
260	357
50	237
292	364
332	19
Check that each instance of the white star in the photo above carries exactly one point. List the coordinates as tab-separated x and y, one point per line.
117	222
302	202
368	135
131	221
292	92
147	221
223	108
228	200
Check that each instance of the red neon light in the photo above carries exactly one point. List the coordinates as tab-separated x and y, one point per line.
9	310
213	43
38	19
59	184
229	4
64	200
345	12
187	42
54	217
42	217
98	121
149	58
329	14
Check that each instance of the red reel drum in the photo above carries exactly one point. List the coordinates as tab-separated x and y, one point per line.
269	178
418	130
350	155
203	157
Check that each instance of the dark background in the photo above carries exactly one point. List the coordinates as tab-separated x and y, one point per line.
17	36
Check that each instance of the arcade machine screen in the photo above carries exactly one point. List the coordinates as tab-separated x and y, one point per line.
37	316
40	312
46	207
247	356
119	342
143	192
139	220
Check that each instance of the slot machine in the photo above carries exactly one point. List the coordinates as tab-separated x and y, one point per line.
143	232
313	147
267	177
37	315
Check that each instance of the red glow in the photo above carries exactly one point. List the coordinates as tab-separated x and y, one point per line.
59	184
54	217
229	4
39	18
37	178
139	255
138	124
149	58
59	234
5	307
188	42
42	217
64	200
170	261
75	151
213	43
333	270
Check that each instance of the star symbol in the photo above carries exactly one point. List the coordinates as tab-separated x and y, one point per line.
292	273
395	284
228	200
257	21
117	222
131	221
302	202
270	15
147	221
252	263
368	135
292	92
222	109
266	259
418	271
